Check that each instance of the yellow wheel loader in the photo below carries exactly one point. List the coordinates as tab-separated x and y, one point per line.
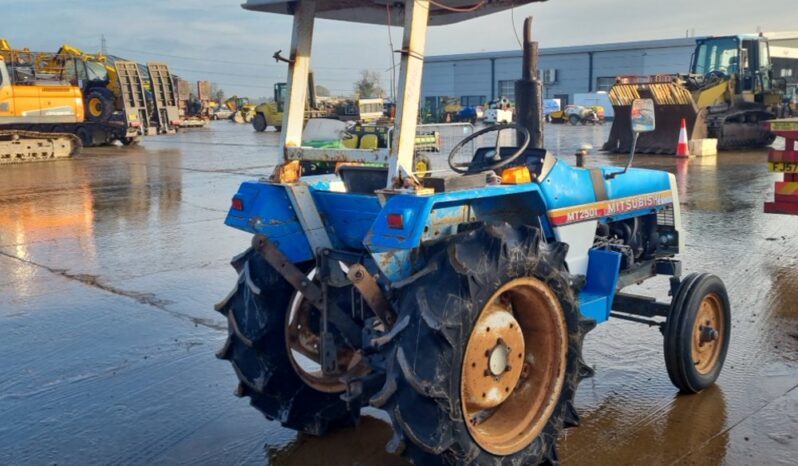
271	113
728	95
243	110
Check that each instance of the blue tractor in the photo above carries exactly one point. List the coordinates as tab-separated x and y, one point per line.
457	303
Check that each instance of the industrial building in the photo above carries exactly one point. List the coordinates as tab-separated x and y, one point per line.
476	78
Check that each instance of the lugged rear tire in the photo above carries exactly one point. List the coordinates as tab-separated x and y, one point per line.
441	305
256	347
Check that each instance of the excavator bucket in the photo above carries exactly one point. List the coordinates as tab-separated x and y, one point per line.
672	102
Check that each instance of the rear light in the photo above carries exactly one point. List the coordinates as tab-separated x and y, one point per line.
135	124
237	204
396	221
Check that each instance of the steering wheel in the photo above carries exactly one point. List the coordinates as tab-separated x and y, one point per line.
716	75
475	166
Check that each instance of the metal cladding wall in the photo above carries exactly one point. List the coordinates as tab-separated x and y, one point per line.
480	74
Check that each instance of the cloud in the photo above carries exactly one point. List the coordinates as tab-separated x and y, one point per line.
206	34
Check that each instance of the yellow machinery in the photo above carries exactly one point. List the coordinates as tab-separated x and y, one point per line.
243	110
728	95
109	97
29	105
98	80
107	114
271	113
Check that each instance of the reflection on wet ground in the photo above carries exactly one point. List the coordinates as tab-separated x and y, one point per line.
110	263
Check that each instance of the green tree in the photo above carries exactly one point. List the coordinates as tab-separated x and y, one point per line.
368	86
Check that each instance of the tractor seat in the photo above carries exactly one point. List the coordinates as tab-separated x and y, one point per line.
532	158
363	179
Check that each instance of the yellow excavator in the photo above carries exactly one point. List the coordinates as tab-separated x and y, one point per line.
104	115
728	95
35	112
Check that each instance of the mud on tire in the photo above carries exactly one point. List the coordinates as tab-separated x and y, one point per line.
441	303
256	348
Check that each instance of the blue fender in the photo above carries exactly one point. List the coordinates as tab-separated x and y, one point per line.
267	209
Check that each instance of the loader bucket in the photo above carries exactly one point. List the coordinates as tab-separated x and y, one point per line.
672	102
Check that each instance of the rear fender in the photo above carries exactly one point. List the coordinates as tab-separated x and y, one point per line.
267	210
397	248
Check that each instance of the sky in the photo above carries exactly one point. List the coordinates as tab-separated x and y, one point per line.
219	41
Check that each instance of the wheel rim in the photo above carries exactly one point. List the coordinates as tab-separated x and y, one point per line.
95	107
514	366
303	345
708	331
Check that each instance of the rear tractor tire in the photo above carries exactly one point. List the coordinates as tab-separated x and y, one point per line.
697	333
486	368
263	314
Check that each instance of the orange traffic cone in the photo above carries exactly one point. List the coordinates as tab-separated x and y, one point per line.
682	150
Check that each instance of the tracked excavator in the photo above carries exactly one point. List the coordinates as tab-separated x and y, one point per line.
728	95
107	111
26	102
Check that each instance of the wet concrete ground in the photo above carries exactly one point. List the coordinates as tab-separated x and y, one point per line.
110	265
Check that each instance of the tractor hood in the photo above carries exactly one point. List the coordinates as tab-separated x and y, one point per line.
374	11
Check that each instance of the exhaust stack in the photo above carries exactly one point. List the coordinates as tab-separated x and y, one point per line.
529	90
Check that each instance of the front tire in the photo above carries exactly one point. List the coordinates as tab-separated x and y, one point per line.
509	279
259	123
697	333
99	105
256	347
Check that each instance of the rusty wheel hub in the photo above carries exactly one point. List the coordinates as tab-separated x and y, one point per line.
303	345
707	334
495	353
514	366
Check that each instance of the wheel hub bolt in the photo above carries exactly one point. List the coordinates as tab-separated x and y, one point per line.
708	334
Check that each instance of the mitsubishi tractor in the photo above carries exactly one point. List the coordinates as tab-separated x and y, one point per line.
456	302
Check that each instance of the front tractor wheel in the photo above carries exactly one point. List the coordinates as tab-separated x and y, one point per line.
486	369
273	346
697	333
259	123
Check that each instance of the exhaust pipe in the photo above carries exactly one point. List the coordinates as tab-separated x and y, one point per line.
529	90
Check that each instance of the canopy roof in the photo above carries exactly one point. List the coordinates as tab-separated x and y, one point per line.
374	11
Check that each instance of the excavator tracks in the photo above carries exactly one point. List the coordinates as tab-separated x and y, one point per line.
18	146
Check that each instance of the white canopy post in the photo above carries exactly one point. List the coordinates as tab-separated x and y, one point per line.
413	45
298	68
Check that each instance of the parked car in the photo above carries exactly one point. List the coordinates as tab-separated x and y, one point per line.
577	114
222	113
